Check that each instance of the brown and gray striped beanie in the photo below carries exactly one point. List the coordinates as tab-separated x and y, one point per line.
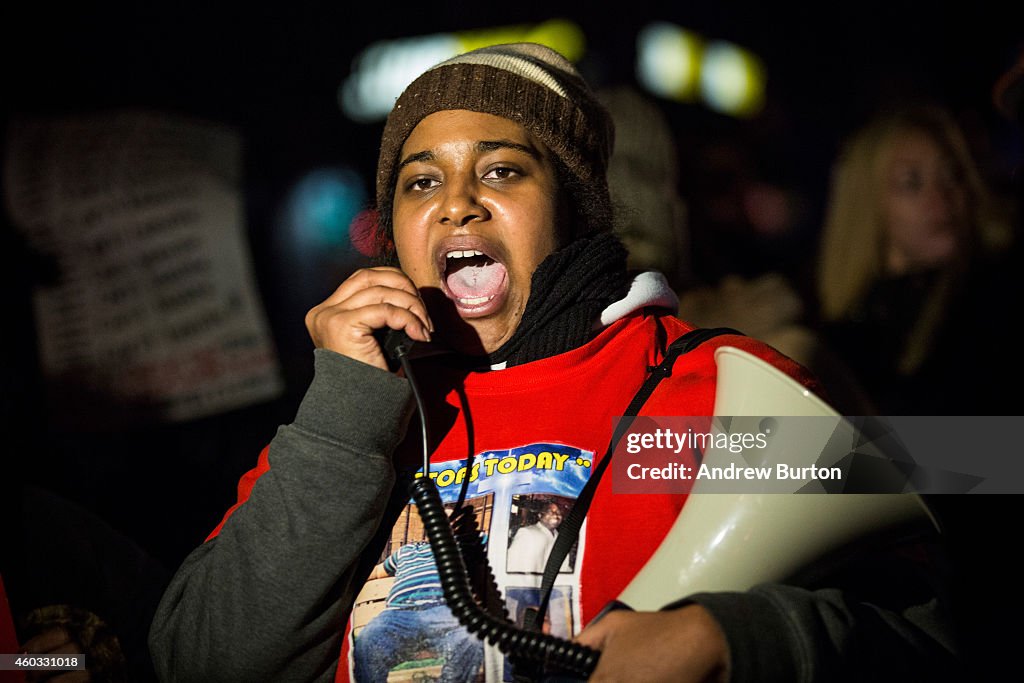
525	82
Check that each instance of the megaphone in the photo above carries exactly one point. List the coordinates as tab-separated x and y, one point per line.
733	541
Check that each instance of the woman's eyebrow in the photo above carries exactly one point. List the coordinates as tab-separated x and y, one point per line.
414	157
482	147
491	145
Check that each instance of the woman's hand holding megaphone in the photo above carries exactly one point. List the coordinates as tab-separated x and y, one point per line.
683	645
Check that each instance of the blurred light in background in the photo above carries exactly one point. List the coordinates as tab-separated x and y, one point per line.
320	207
675	63
382	71
668	61
732	80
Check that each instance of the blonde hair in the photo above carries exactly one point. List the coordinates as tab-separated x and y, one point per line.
854	237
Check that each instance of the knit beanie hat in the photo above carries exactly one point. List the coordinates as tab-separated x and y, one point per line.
527	83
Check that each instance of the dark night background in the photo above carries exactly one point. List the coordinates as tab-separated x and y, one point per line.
273	72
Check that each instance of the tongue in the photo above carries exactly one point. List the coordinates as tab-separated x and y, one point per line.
473	281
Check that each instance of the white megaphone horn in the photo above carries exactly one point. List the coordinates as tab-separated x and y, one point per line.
733	541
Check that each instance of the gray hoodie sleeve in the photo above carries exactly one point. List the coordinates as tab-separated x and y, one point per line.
267	599
785	634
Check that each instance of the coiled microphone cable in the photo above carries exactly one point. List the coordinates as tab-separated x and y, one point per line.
551	652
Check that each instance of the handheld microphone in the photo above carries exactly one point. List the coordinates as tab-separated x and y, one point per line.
396	344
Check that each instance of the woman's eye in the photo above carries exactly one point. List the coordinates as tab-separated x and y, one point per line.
909	180
501	173
423	184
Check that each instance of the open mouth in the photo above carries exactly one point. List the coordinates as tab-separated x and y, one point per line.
474	281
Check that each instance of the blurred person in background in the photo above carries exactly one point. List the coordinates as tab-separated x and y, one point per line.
651	219
911	283
643	179
72	581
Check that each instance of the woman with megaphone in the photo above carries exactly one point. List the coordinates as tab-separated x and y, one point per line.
529	338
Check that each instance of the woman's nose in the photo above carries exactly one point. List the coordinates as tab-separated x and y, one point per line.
461	204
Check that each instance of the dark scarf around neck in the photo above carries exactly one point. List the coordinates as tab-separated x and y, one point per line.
568	291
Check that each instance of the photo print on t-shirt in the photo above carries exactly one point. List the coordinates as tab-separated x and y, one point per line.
400	626
533	524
